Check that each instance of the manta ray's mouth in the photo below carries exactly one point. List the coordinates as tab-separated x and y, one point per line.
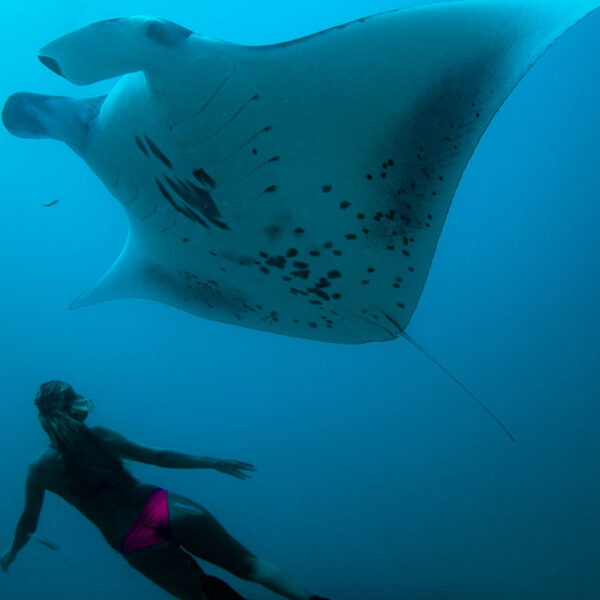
51	64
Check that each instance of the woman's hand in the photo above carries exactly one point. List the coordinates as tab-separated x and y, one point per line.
234	468
6	560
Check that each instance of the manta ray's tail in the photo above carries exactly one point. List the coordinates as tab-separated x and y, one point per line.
38	116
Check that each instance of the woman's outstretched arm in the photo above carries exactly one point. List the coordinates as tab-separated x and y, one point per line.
170	459
34	498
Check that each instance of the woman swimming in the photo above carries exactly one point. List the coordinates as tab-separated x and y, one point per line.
155	530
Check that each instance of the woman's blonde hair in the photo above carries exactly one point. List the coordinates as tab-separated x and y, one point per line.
88	460
61	411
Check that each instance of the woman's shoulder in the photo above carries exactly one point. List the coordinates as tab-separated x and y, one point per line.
104	433
40	465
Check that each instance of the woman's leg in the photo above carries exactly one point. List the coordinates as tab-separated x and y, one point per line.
203	536
172	569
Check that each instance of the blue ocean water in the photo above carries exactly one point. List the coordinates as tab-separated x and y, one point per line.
378	478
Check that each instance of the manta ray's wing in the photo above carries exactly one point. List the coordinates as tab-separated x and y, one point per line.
331	160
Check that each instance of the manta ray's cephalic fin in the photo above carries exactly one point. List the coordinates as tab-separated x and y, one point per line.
61	118
114	47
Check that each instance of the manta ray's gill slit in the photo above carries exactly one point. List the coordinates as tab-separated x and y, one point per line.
133	198
117	179
207	103
168	228
149	214
158	153
236	114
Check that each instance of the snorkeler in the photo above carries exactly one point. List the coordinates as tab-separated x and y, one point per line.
155	530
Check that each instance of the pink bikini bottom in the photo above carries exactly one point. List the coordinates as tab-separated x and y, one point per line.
152	527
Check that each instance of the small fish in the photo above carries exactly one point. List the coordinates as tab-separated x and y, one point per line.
190	509
44	541
49	204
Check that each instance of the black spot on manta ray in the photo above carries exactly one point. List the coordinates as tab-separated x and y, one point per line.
319	292
204	178
183	210
164	192
326	188
166	33
141	146
197	200
276	261
297	292
158	153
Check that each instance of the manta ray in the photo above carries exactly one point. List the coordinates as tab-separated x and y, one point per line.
298	188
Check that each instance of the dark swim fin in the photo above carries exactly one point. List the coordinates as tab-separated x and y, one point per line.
217	589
